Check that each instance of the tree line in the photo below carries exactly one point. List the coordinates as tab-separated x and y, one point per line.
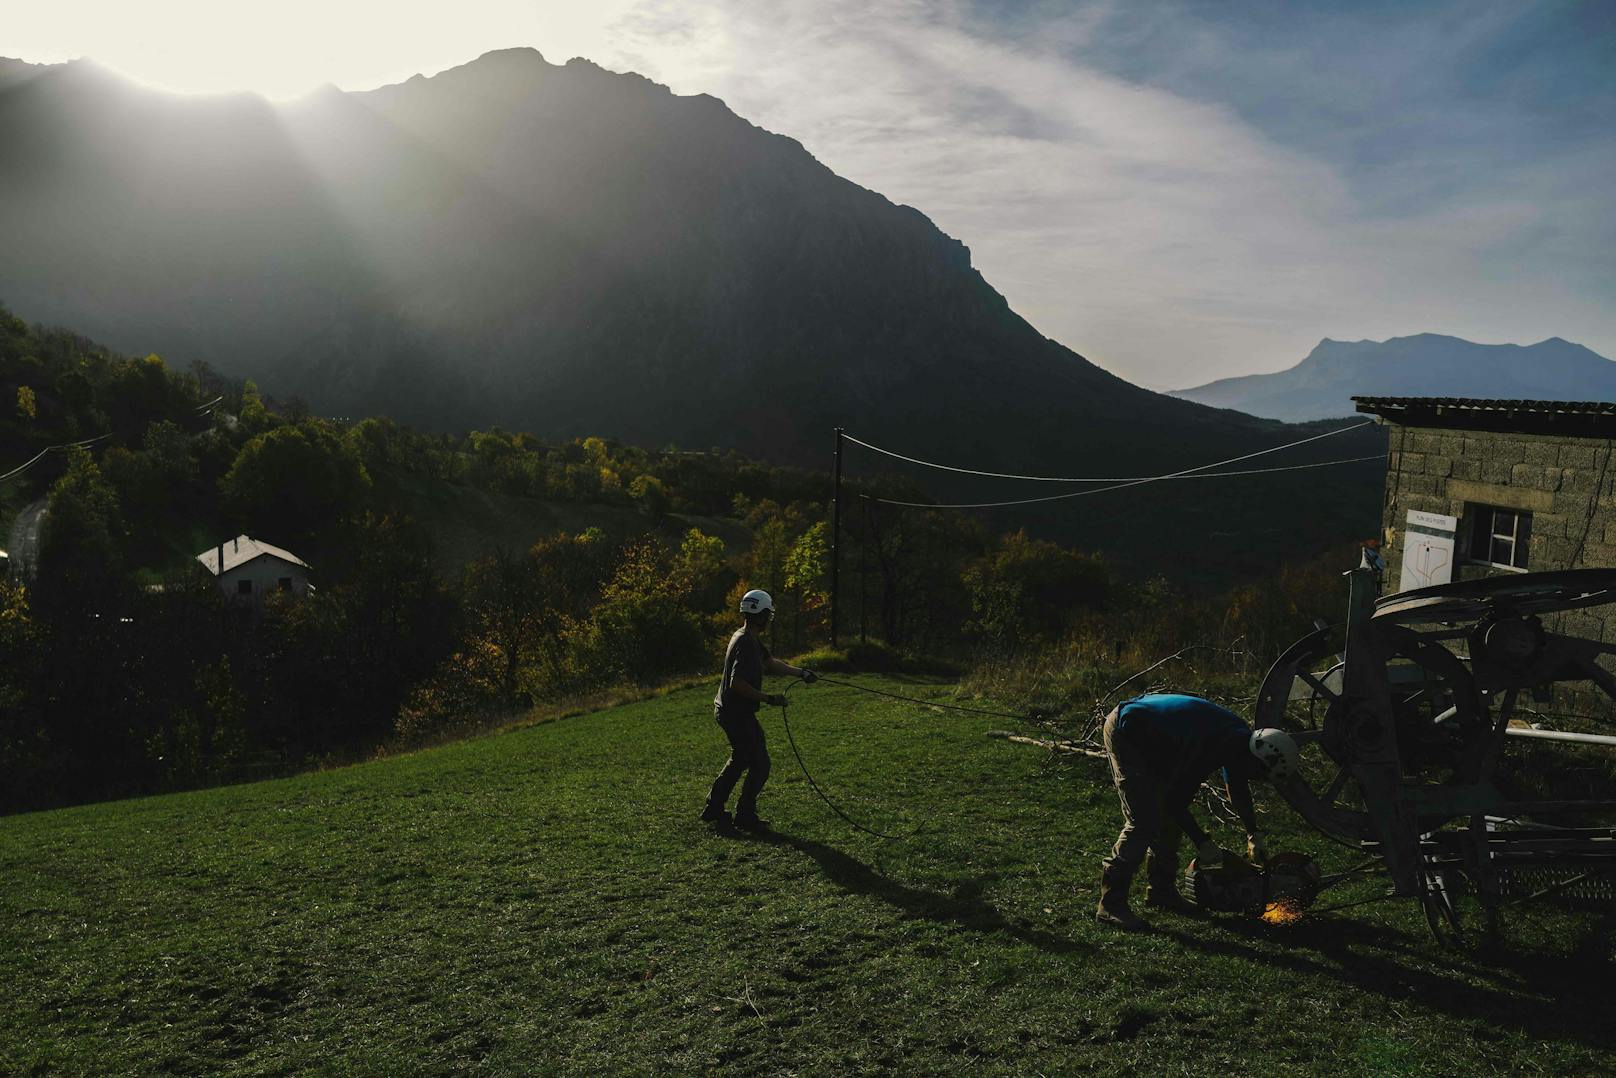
124	670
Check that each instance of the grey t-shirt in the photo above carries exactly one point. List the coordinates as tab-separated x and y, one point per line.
744	659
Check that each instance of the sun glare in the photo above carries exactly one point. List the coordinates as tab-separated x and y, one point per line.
287	49
194	74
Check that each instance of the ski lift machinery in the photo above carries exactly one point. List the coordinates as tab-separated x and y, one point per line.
1405	761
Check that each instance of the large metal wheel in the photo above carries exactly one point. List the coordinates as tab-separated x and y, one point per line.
1437	708
1471	600
1406	760
1295	686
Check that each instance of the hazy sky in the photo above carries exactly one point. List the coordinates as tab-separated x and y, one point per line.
1180	191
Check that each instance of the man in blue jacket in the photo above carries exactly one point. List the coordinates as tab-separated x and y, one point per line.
1162	747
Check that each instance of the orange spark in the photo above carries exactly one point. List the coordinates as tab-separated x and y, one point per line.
1284	911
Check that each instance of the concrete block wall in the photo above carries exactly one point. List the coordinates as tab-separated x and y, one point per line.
1568	484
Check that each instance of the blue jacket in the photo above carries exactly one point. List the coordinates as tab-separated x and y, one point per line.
1184	733
1182	740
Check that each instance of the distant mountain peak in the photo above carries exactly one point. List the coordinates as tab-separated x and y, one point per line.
499	65
521	54
1420	365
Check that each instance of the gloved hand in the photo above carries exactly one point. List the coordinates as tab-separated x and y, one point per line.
808	676
1257	847
1208	854
776	699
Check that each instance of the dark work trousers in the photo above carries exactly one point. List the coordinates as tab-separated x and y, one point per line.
748	752
1145	822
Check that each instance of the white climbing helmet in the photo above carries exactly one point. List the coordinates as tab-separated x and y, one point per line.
756	602
1278	752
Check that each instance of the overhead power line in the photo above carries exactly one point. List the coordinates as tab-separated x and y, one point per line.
1109	479
35	459
19	469
1187	474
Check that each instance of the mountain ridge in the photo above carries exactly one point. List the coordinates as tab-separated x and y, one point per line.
565	250
417	107
1322	384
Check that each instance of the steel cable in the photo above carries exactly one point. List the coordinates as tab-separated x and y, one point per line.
809	775
926	703
814	785
1112	479
1122	485
51	449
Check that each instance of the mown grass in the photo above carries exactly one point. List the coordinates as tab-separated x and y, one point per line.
545	901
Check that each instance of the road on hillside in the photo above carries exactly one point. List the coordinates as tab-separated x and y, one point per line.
24	543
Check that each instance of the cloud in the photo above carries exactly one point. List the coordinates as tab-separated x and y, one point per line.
1169	237
1180	191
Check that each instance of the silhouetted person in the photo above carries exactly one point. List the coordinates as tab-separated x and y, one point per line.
740	694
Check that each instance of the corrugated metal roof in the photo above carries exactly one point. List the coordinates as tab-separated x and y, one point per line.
1474	404
243	549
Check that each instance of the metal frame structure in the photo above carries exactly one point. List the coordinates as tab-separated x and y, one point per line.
1417	709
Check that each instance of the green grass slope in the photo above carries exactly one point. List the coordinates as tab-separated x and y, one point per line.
545	901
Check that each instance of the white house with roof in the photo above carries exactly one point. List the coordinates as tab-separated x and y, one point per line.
248	569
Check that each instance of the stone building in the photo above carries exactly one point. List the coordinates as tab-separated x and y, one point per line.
1480	488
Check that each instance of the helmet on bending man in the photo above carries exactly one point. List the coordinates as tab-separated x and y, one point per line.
1277	752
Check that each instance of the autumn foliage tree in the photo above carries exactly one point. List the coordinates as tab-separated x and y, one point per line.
502	598
644	627
1027	591
81	553
293	481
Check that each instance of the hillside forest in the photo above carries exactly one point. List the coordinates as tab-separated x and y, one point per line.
611	259
124	671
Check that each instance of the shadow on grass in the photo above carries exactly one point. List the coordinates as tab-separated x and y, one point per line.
1543	996
964	907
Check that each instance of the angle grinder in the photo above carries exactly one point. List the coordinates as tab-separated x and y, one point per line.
1278	891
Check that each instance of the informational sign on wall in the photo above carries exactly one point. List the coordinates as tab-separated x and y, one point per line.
1427	550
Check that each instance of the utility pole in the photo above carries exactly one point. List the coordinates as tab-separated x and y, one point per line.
836	538
864	559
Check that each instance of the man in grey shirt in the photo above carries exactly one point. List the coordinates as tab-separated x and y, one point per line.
740	693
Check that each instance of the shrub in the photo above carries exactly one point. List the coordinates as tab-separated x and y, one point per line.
465	688
1029	590
643	628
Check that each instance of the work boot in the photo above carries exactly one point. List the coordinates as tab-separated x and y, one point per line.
749	821
1113	908
1166	897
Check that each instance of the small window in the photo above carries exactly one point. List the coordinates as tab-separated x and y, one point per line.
244	587
1499	537
285	583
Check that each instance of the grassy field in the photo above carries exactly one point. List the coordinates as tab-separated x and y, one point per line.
545	901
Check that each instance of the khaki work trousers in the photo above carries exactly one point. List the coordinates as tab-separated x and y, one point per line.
1146	825
748	753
